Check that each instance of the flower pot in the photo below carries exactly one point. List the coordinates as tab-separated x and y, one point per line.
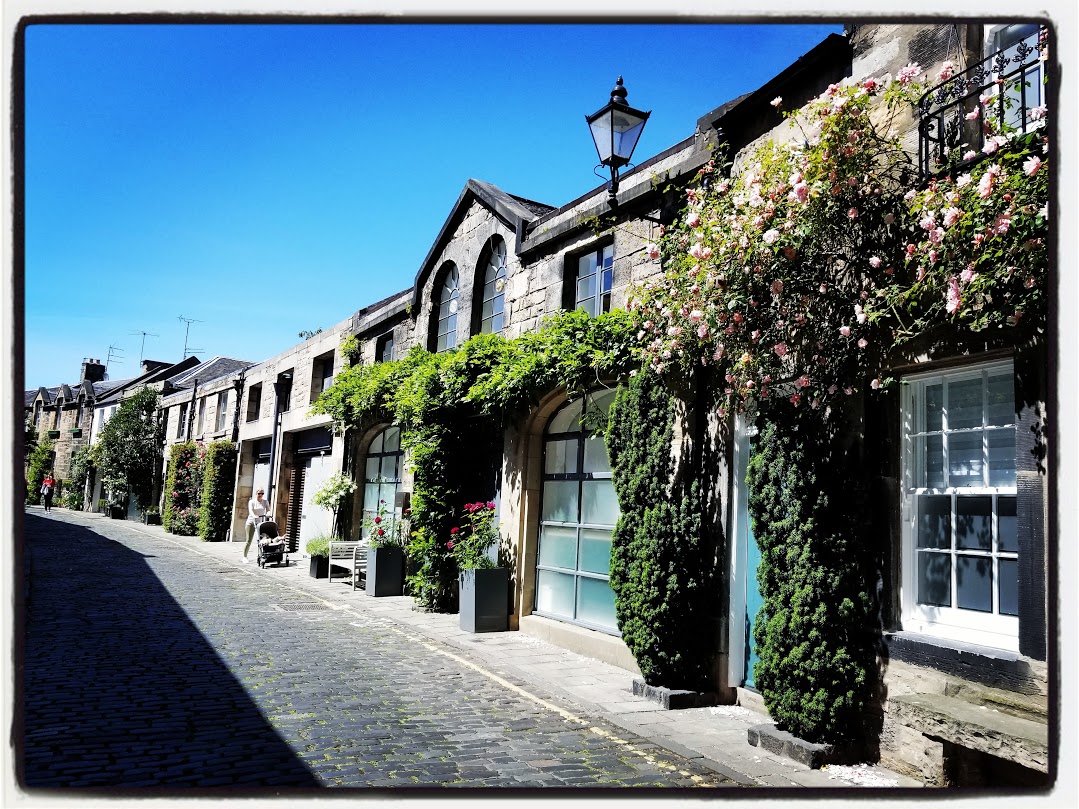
385	571
484	599
152	519
118	512
320	567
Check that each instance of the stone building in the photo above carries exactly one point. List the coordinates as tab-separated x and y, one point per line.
64	414
502	263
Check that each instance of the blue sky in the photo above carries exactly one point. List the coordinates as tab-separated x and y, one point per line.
265	179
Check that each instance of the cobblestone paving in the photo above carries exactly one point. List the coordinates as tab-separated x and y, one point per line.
149	666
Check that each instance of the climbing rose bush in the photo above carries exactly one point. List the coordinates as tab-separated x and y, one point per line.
810	266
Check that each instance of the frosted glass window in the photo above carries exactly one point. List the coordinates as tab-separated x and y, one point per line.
560	501
376	443
575	495
382	473
371	470
392	439
554	593
599	504
558	547
595	603
388	467
595	551
561	457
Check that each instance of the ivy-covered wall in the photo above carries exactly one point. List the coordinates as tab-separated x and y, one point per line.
218	467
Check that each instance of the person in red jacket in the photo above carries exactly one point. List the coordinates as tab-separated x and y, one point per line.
48	486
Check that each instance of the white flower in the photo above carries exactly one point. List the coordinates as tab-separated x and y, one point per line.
777	102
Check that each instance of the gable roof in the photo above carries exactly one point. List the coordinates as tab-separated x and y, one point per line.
511	211
214	368
157	373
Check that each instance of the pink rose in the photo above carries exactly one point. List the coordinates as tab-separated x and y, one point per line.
693	219
874	262
702	331
972	115
803	381
954	300
875	384
780	349
652	251
862	343
777	287
1037	113
845	331
1031	166
852	214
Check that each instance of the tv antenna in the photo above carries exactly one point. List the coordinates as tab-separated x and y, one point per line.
142	348
187	328
114	350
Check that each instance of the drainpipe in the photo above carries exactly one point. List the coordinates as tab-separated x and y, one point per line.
191	410
238	385
281	390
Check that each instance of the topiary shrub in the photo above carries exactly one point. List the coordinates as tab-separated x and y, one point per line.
661	564
216	498
815	633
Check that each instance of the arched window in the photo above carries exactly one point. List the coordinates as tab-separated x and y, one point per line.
382	473
444	321
578	512
487	314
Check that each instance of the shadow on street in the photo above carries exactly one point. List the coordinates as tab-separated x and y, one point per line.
120	689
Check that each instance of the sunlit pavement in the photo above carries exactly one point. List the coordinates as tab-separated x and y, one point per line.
155	660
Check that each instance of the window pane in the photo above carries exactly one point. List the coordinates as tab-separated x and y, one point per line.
558	547
393	439
595	551
388	493
599	504
1007	526
371	473
1001	409
934	579
567	420
608	255
974	583
376	444
561	457
388	467
935	522
586	288
554	593
965	404
595	603
1009	586
965	459
559	501
586	265
1001	456
933	461
974	523
934	406
595	456
370	497
607	281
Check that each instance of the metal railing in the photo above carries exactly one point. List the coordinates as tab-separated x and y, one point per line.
953	121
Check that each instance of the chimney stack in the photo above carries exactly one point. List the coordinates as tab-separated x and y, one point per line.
92	371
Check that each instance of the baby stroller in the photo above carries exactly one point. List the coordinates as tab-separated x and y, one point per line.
272	548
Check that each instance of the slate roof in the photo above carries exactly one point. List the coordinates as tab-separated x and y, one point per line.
208	371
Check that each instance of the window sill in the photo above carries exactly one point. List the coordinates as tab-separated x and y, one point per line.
998	668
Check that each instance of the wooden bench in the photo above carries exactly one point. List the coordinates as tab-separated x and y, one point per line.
351	555
975	727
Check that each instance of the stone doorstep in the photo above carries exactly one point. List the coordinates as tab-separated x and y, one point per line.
673	699
781	743
975	727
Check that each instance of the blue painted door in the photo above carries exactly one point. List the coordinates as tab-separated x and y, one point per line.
753	600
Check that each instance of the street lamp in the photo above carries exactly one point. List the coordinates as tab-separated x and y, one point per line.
616	129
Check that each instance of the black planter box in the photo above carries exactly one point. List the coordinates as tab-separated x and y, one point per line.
152	519
320	567
484	598
118	512
385	571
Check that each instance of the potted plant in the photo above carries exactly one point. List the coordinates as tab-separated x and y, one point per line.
318	548
332	496
385	554
483	587
152	516
103	506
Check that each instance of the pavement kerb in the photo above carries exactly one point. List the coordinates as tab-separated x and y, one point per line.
440	634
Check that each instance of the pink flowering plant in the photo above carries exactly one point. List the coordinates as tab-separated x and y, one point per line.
471	542
796	278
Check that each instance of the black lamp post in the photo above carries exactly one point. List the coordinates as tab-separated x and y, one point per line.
616	129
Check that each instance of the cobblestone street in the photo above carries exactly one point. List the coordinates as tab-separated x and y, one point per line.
149	665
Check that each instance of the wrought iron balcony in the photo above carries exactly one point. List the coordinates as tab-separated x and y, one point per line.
955	123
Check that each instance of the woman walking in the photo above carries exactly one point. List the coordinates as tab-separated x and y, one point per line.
47	487
257	508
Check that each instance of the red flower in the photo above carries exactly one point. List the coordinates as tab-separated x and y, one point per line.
455	530
378	520
380	532
491	504
449	545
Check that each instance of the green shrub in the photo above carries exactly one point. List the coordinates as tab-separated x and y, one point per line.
815	633
319	546
41	457
182	489
216	496
661	564
73	498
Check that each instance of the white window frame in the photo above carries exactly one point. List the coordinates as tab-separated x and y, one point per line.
951	623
